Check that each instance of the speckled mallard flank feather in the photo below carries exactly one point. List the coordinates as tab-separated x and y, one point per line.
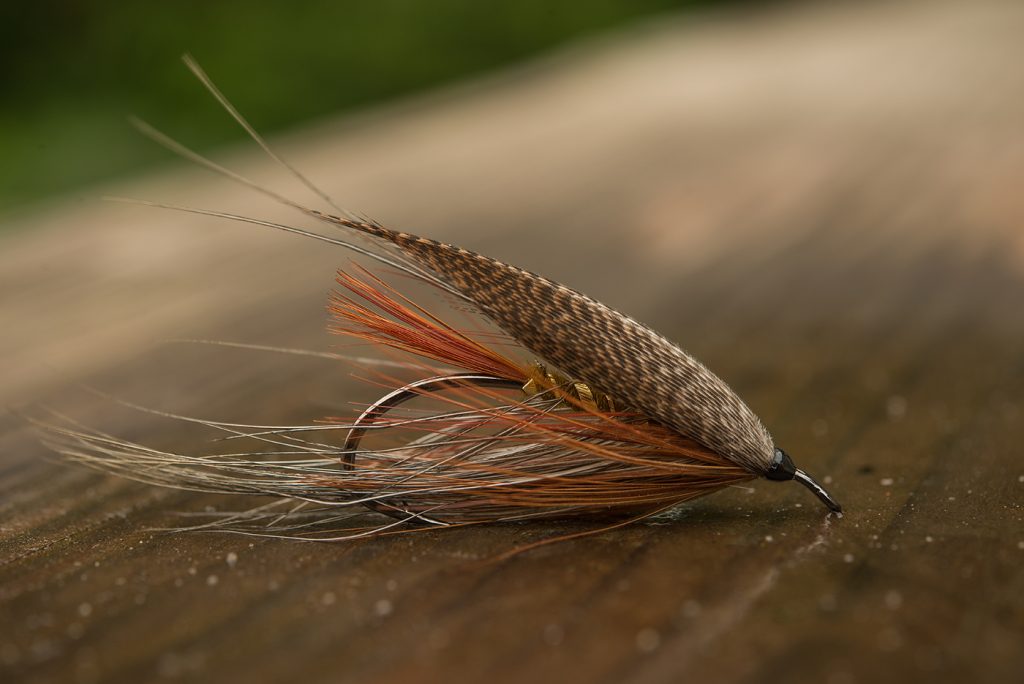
594	343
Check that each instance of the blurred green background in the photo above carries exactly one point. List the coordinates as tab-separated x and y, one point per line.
72	71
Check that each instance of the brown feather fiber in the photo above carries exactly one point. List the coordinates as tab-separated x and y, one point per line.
593	342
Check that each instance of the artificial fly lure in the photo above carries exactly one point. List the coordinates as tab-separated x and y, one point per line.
573	410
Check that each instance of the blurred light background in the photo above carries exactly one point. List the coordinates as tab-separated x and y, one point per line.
73	70
695	143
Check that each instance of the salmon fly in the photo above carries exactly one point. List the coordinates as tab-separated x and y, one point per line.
571	410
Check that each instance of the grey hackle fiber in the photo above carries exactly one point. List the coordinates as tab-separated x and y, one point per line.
598	345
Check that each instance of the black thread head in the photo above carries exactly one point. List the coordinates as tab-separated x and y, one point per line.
782	467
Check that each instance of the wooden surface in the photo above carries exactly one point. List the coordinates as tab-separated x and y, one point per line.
823	205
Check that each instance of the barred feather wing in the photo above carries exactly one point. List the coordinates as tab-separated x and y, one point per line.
600	346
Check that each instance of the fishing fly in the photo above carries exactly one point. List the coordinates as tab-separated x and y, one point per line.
551	405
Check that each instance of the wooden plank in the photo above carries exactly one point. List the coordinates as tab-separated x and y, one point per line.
821	204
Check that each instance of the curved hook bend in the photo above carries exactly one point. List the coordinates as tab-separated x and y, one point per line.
396	398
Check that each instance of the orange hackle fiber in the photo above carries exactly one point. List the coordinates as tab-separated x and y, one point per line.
492	455
375	312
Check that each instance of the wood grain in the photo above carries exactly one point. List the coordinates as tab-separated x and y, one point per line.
821	204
